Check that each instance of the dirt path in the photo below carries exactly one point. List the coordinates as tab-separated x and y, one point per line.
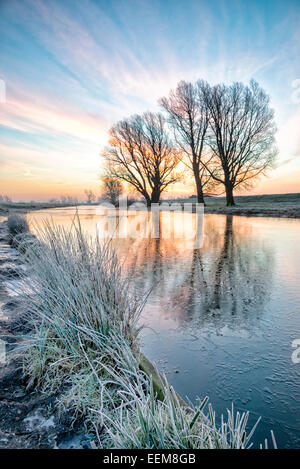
27	419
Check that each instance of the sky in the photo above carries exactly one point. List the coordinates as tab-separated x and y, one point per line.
71	69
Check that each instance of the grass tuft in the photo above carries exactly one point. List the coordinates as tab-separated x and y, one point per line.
17	225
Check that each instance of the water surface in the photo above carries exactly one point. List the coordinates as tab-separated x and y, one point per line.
220	318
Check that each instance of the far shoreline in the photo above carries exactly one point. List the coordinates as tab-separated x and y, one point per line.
259	212
268	205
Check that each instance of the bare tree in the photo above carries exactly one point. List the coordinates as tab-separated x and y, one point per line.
112	188
188	117
90	196
5	198
141	153
241	135
66	200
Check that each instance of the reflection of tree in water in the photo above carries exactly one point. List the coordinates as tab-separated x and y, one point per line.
229	288
225	283
149	261
143	258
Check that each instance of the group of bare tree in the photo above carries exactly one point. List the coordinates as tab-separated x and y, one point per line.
90	196
5	199
223	134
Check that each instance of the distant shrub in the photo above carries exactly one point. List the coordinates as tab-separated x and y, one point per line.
5	199
17	224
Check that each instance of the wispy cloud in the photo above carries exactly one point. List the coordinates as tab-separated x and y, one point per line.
32	115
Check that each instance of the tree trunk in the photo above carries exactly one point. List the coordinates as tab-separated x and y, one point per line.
147	198
200	198
229	196
155	196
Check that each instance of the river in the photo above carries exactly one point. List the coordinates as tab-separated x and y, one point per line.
222	314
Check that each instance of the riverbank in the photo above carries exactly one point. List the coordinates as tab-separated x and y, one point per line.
255	212
24	207
269	205
28	418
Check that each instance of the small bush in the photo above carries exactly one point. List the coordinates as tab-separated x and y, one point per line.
17	224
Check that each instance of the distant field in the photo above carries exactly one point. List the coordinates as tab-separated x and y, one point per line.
252	201
23	206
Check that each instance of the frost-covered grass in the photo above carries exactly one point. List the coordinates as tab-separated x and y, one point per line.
17	224
85	346
77	293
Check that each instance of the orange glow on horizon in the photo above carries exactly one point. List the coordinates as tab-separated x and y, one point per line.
18	189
